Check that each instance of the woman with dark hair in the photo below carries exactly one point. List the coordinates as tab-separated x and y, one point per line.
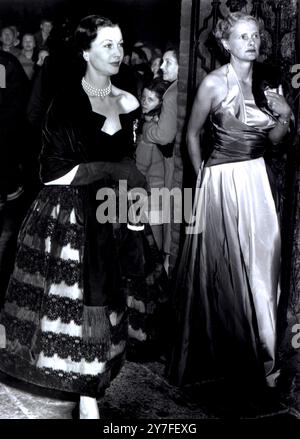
65	313
228	281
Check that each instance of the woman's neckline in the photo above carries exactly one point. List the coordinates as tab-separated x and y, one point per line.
103	117
239	83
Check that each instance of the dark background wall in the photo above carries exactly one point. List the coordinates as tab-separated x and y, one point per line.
153	21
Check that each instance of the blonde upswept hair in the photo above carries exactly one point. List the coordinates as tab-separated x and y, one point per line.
224	26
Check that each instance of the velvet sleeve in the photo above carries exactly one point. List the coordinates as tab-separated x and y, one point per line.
58	155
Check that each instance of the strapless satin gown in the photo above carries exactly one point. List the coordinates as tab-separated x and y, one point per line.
228	282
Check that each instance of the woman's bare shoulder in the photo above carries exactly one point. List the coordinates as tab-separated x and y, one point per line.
127	101
215	79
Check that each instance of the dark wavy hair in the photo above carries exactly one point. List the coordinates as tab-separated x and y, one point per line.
87	29
84	35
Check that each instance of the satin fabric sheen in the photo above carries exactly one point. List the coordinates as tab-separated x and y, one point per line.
228	282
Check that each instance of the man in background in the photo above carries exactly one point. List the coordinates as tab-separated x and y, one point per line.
41	37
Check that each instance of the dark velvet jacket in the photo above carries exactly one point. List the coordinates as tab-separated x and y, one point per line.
72	135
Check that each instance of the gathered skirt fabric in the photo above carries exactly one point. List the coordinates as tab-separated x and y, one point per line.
44	304
228	282
43	309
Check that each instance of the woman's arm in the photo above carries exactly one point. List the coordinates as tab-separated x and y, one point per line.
279	106
280	129
201	109
65	179
62	165
126	169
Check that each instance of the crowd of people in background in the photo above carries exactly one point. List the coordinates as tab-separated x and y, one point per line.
30	48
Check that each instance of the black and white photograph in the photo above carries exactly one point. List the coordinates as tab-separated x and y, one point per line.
150	213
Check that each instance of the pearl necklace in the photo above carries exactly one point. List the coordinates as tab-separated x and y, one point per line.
94	91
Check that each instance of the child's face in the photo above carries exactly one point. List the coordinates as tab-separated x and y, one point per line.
149	100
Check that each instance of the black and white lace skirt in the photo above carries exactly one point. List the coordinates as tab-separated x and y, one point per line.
44	303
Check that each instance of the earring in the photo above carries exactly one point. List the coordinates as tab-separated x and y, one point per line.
85	56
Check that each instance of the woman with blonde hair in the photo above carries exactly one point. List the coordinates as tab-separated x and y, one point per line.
228	282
